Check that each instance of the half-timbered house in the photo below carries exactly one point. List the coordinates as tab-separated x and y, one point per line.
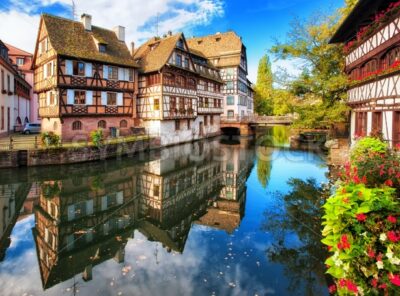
168	101
371	34
227	52
85	78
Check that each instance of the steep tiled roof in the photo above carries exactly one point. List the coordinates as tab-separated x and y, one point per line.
16	52
154	54
69	38
226	47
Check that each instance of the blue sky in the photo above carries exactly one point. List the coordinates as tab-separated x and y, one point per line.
259	22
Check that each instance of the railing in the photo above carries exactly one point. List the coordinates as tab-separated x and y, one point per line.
256	119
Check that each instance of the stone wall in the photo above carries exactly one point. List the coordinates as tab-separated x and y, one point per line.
59	156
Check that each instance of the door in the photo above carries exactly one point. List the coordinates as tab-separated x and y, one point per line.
376	123
8	119
396	128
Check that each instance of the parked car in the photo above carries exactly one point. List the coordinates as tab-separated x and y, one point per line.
31	128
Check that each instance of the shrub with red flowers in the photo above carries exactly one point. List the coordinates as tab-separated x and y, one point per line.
373	163
361	223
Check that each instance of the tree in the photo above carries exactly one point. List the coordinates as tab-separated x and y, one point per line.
322	85
263	103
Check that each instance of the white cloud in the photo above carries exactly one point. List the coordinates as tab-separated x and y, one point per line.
138	16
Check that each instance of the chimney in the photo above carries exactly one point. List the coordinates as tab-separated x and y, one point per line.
169	33
120	32
86	20
132	48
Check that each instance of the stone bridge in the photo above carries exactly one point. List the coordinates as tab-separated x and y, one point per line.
245	125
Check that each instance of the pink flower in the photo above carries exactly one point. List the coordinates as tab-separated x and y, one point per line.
371	253
389	183
392	219
344	243
374	283
361	217
352	286
393	237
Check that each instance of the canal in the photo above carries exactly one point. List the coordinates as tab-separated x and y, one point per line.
217	217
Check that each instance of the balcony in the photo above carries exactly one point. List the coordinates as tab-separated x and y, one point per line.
52	111
210	110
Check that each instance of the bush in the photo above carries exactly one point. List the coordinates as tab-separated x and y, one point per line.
50	139
373	164
361	230
368	146
97	137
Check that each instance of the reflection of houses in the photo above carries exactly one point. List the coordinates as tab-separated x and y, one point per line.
176	190
12	197
227	210
81	222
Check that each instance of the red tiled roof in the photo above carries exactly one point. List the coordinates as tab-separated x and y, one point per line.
15	52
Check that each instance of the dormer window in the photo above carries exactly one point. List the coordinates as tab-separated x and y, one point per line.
102	48
180	44
20	61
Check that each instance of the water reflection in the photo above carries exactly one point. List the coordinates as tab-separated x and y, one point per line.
183	221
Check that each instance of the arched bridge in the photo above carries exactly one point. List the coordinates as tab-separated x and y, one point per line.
245	125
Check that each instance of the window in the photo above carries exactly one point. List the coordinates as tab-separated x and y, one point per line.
102	124
156	104
396	128
230	100
231	113
169	78
112	73
201	103
376	122
188	124
20	61
78	68
43	46
8	83
76	126
391	57
361	124
230	167
156	190
123	124
51	98
202	85
180	81
191	83
177	125
230	85
211	120
49	70
79	97
102	48
179	60
205	121
179	44
131	75
153	79
186	63
173	104
2	80
111	99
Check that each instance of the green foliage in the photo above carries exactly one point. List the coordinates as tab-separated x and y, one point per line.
97	138
361	230
50	189
368	146
263	104
264	165
50	139
322	85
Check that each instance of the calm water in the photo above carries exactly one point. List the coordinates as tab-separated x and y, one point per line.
211	218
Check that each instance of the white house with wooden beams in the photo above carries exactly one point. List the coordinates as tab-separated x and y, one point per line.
85	78
372	36
179	99
227	52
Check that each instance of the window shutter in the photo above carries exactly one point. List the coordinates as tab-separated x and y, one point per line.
104	98
121	74
120	198
120	99
105	72
89	97
70	97
45	71
48	98
89	207
88	70
68	67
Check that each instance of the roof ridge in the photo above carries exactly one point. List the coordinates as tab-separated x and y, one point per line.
215	34
9	45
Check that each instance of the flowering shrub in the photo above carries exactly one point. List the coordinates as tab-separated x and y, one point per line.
50	139
361	230
373	164
97	137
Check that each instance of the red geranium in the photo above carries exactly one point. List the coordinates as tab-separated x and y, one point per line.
392	219
332	289
393	237
361	217
344	243
394	279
